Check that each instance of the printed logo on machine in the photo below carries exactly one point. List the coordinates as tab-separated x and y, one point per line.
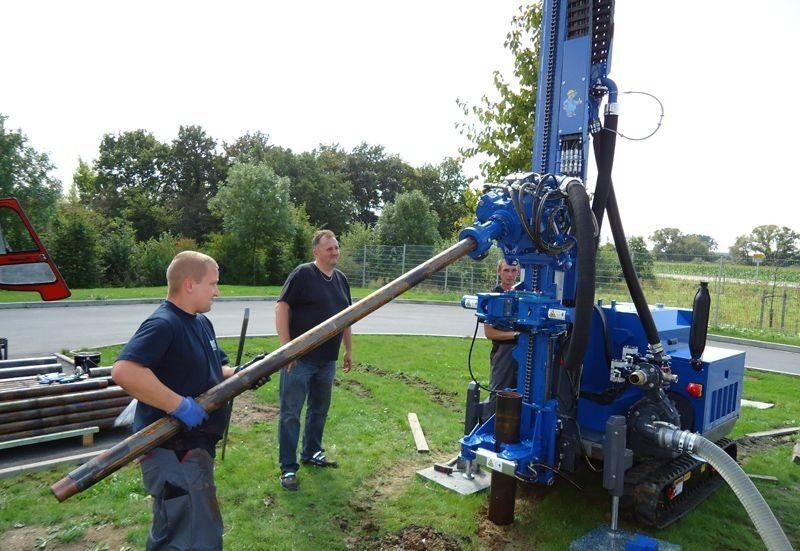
571	104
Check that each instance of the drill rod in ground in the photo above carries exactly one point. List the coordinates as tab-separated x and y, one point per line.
162	430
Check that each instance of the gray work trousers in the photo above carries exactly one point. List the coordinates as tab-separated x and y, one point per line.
186	513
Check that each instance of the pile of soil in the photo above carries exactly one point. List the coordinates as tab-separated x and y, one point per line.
415	538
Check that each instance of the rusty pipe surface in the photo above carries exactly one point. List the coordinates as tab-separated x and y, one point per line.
63	419
62	399
62	409
36	390
102	423
162	430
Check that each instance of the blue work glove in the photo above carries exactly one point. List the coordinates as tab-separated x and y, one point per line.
189	413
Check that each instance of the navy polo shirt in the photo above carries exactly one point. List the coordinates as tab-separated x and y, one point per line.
181	350
313	298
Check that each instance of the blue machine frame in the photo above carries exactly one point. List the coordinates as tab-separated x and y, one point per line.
573	81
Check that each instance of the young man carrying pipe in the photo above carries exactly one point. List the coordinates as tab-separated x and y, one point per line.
172	358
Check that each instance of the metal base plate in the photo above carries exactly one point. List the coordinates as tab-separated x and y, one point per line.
603	539
457	482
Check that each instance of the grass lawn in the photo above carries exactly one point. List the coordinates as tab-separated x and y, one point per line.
376	493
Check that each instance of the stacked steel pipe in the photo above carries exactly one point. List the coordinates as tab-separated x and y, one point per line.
29	408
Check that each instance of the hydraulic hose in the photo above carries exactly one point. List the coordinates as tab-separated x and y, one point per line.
629	271
604	144
584	293
689	442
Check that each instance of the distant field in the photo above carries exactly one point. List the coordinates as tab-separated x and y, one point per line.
786	274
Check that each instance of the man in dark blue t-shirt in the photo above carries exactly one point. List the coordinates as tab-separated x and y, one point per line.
504	366
172	358
312	293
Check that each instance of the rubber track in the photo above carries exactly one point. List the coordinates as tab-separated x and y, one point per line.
646	485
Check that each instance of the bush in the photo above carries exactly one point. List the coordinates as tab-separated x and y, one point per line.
74	243
152	258
117	250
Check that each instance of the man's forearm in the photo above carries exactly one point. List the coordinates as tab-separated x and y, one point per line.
348	339
282	315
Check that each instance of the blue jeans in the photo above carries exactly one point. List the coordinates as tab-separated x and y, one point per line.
312	379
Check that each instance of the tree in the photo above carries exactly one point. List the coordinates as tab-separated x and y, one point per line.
671	243
128	163
376	179
74	243
117	250
445	186
408	221
776	243
194	172
249	148
642	259
24	174
500	131
254	205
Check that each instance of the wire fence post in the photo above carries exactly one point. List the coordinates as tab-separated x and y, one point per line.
445	277
718	293
783	309
403	262
364	268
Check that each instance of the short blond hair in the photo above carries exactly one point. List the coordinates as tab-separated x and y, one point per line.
192	264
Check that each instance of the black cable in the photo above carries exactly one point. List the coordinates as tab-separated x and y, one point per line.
469	360
555	470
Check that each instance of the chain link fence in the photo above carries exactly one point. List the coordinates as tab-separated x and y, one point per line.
753	296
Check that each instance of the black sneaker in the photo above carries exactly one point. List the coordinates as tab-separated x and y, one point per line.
319	460
289	481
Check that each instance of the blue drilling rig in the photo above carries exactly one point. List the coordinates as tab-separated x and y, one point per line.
622	383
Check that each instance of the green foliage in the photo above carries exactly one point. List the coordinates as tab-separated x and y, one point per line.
607	270
642	259
74	244
776	243
408	221
446	188
254	206
499	129
235	259
24	174
193	174
117	250
152	258
674	244
376	177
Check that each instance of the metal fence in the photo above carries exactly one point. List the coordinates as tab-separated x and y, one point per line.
744	295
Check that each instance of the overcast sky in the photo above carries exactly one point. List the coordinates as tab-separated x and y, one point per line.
389	73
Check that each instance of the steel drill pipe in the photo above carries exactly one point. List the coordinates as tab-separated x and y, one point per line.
63	409
100	372
22	362
56	420
103	423
49	390
29	370
151	436
62	399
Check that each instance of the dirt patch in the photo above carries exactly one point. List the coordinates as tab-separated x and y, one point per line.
415	538
748	446
354	387
445	398
247	411
103	537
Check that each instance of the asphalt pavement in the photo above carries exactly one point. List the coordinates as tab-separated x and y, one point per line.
38	331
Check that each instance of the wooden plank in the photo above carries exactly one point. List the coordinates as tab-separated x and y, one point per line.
756	404
48	437
796	453
49	464
416	431
766	477
775	432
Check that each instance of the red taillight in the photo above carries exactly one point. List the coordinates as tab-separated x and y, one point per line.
695	390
